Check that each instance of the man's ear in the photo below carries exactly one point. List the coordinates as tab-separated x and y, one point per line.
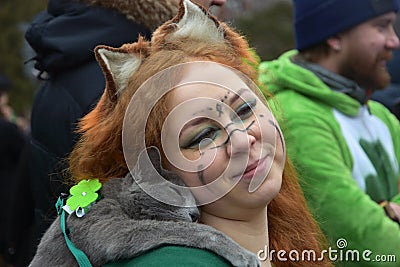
118	65
334	43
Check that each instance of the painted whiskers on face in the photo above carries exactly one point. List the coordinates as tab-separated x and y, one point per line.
231	133
201	167
238	116
243	116
279	133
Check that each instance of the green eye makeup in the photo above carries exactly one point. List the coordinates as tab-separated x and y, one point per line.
202	138
207	132
245	110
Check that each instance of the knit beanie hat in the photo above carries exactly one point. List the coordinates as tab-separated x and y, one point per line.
317	20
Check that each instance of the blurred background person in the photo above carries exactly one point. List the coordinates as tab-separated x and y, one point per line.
6	111
345	146
12	141
390	96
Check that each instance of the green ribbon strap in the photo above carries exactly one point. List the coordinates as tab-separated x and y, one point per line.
79	255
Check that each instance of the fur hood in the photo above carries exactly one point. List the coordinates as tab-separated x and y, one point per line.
150	13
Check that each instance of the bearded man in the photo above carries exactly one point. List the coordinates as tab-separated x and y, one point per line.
346	147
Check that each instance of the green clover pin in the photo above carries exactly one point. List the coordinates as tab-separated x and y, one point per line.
83	194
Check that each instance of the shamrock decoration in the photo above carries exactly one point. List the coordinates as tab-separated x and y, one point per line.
82	195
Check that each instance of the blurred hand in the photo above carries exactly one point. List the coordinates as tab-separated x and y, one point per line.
396	209
6	111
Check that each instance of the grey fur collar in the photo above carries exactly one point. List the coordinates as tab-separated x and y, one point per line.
126	222
151	13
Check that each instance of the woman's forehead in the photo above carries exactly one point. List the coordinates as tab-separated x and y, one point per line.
200	94
209	81
213	73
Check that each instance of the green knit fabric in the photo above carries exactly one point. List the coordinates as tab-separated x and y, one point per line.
174	256
308	113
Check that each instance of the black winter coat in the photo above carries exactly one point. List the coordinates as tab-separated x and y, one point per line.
64	38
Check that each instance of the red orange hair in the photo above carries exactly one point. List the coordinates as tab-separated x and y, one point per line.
99	152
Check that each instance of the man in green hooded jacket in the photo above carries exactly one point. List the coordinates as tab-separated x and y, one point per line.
346	148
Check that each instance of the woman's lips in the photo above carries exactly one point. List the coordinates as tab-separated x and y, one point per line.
258	166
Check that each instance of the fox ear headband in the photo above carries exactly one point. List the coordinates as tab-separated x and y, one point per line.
192	22
139	75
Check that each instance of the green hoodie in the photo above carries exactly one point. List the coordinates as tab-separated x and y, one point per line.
347	155
174	256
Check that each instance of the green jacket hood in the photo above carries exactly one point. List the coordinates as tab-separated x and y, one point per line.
280	75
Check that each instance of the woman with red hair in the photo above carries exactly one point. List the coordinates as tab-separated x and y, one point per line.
190	92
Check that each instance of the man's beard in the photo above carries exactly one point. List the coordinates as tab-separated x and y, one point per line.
366	74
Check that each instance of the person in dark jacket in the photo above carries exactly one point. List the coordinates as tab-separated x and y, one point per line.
11	145
64	37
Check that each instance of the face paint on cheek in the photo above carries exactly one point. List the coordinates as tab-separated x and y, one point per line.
229	124
240	130
279	133
225	97
218	107
247	129
202	111
200	173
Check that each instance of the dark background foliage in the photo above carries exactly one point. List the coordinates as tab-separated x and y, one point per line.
14	16
269	30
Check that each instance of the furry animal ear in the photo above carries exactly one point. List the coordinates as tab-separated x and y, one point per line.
149	164
145	166
192	22
118	65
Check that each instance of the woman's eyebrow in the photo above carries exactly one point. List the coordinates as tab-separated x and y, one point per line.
193	122
200	120
237	95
